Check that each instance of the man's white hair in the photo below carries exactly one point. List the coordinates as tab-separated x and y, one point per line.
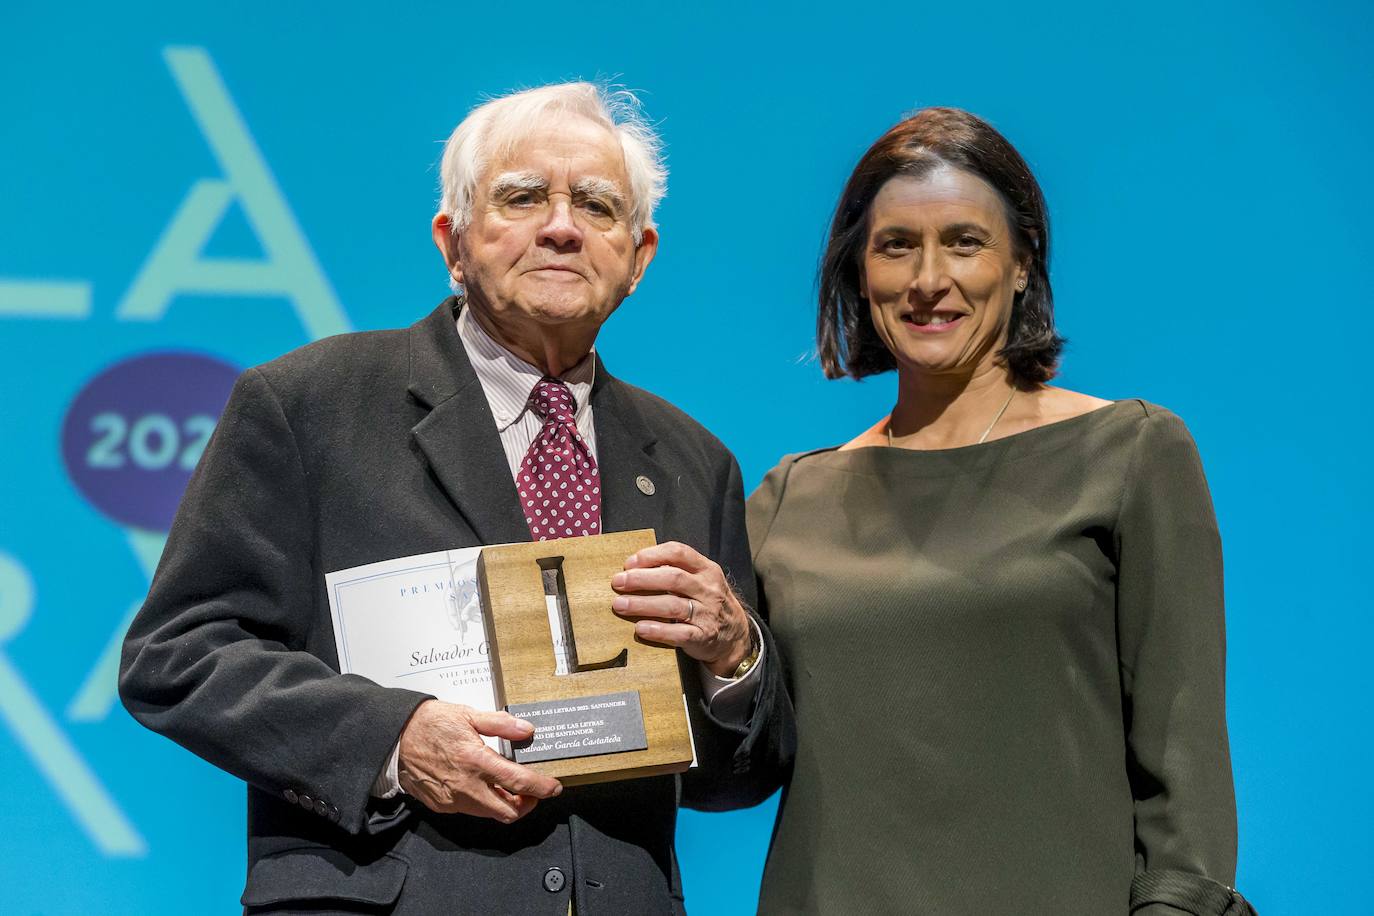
494	128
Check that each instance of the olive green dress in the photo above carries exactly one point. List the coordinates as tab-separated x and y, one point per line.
1007	666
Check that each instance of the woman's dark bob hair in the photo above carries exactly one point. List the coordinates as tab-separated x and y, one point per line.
845	337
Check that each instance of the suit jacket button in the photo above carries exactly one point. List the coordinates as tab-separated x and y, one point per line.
646	486
306	802
321	808
333	813
290	796
554	880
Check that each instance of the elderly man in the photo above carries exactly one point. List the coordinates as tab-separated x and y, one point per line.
371	446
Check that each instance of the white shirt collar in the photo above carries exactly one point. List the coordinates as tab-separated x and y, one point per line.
507	380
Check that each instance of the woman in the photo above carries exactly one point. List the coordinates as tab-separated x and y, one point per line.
1001	605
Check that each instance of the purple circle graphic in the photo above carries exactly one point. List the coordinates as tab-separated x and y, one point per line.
133	435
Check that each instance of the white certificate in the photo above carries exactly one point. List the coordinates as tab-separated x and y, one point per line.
416	622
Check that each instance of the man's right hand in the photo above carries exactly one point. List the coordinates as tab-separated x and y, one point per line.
445	764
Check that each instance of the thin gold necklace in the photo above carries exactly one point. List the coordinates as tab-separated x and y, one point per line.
981	439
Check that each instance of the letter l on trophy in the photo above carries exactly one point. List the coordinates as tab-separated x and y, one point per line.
619	712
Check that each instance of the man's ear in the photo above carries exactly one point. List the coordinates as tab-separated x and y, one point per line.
446	240
644	253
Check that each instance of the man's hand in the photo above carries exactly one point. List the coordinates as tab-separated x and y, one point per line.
678	597
445	765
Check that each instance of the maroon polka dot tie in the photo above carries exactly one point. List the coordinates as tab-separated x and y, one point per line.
560	487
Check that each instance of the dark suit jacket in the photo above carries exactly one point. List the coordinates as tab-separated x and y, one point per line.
376	445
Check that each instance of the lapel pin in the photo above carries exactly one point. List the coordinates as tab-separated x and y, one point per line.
646	486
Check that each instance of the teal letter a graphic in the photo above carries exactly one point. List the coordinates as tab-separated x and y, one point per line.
176	265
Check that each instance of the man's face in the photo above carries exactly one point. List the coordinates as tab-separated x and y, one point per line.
549	246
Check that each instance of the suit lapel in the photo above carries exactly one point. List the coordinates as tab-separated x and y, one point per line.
459	441
623	447
458	436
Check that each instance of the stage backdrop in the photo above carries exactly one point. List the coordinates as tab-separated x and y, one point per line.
188	190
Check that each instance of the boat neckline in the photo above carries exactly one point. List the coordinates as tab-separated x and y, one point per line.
1035	433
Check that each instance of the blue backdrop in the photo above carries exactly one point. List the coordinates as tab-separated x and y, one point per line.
186	192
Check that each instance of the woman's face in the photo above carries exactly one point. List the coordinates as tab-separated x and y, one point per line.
939	271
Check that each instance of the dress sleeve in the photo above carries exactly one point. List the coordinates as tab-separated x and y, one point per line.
1171	642
762	758
216	659
740	760
763	505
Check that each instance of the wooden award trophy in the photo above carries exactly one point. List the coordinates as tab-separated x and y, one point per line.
619	712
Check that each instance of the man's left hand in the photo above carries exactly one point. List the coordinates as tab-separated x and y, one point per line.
677	597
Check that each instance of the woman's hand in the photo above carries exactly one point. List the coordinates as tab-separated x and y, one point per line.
677	597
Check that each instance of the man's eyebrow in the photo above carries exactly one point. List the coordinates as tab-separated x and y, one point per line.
598	187
507	182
